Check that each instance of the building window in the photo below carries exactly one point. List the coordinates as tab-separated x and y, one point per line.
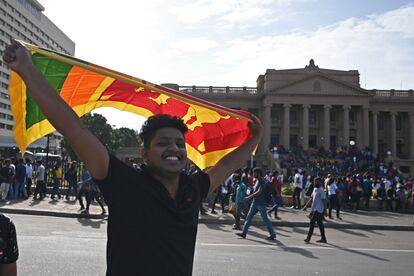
352	117
312	118
398	122
333	141
312	141
382	147
275	139
381	121
275	116
293	140
332	117
293	117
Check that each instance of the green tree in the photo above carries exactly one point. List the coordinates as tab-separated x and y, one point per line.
98	125
111	138
125	137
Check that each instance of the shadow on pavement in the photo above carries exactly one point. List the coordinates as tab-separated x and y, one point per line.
261	236
297	250
358	252
374	232
53	202
35	202
347	231
300	230
94	223
217	226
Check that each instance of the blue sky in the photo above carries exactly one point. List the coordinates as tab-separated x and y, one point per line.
228	42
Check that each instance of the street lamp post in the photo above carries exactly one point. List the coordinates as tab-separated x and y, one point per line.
47	159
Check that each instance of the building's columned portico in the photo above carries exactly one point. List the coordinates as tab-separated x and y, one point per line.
313	107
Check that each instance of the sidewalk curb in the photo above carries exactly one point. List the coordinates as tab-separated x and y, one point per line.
227	221
50	213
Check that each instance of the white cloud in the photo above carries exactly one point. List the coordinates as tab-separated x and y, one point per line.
379	46
198	11
193	44
230	12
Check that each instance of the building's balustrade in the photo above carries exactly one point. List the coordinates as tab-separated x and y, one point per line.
392	93
218	89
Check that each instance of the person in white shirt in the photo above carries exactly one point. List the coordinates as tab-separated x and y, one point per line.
333	198
40	181
387	183
316	214
302	192
29	174
297	179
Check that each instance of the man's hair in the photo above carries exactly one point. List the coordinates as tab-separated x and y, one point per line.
258	171
156	122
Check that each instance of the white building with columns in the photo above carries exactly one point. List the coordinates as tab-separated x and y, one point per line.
312	107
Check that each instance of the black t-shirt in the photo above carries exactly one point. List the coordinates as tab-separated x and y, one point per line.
9	251
149	233
6	174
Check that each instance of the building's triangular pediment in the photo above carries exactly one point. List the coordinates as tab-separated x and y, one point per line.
319	84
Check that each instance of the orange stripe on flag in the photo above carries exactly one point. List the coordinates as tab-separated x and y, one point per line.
80	85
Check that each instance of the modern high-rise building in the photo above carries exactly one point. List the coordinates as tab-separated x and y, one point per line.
24	20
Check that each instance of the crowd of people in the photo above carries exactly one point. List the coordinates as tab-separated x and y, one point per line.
20	179
351	180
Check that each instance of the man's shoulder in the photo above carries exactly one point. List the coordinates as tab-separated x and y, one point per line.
116	166
199	181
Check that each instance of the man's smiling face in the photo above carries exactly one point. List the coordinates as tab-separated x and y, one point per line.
166	153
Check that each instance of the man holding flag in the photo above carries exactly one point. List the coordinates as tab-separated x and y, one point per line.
153	233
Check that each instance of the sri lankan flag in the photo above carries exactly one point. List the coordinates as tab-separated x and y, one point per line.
214	131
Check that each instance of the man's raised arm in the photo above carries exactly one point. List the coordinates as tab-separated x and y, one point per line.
235	160
89	149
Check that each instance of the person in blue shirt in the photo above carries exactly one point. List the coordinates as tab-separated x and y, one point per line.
20	179
258	205
366	190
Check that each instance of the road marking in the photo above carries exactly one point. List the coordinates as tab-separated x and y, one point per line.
305	247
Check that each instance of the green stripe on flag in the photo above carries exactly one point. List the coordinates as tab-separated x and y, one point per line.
56	73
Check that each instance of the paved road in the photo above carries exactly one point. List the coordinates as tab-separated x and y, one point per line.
75	246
